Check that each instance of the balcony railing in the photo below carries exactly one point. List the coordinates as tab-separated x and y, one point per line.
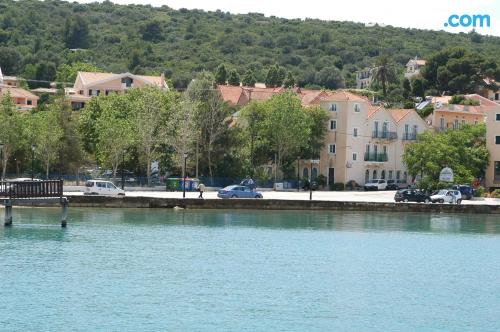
379	157
409	136
389	135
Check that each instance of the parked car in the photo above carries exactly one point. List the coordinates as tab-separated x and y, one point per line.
392	185
376	184
447	196
466	191
100	187
411	195
237	191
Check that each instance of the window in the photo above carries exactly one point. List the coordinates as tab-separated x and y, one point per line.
497	139
441	123
357	108
463	122
354	156
333	107
415	129
367	176
382	175
497	96
390	175
314	173
398	175
331	148
355	132
407	129
456	125
375	128
475	121
305	173
497	117
29	102
101	184
374	174
497	171
333	124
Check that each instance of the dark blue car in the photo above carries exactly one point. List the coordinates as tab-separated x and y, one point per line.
466	191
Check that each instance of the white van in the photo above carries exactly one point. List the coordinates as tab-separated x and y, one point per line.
99	187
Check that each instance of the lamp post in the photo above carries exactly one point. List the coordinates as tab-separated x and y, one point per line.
298	173
33	147
1	161
123	166
184	176
311	176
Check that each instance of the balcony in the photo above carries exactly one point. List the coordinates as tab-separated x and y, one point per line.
377	157
386	135
409	136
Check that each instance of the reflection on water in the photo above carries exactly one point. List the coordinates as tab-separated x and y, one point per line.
192	270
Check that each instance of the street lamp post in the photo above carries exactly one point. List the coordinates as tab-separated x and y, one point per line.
184	176
123	166
298	173
33	147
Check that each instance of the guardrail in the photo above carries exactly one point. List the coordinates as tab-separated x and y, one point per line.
388	135
379	157
31	189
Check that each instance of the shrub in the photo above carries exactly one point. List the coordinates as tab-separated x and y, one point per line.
351	185
479	192
338	186
321	180
495	193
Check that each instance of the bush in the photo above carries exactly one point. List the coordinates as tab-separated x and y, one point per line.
479	192
351	185
338	186
321	180
495	193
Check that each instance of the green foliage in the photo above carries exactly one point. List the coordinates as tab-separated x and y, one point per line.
458	70
249	78
76	32
151	31
67	72
495	193
275	76
289	81
426	111
330	77
463	150
221	74
461	100
321	180
479	191
10	127
233	78
417	87
408	105
384	72
338	186
406	88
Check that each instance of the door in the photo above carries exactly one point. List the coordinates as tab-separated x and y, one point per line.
331	176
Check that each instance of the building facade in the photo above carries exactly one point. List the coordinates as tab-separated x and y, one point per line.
364	78
414	67
363	142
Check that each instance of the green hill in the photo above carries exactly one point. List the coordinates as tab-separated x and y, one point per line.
36	37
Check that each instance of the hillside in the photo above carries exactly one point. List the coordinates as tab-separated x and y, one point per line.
36	37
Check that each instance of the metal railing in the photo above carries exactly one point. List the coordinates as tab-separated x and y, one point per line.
389	135
31	189
379	156
409	137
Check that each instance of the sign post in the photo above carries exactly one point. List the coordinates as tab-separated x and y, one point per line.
446	175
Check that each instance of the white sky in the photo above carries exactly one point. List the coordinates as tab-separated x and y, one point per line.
425	14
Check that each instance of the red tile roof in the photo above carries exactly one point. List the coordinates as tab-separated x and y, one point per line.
399	114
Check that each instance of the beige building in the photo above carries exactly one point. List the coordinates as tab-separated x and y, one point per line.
414	67
364	78
363	142
88	85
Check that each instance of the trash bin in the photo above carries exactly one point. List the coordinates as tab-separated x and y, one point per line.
172	184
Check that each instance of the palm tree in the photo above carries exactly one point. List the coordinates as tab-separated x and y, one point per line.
384	72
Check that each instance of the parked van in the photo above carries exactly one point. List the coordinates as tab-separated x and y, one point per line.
100	187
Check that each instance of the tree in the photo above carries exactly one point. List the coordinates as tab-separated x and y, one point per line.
135	61
318	124
67	72
211	112
233	78
289	81
221	74
115	133
285	126
47	135
185	135
384	72
76	32
417	87
10	60
330	78
10	129
152	122
406	88
152	31
249	78
463	150
275	76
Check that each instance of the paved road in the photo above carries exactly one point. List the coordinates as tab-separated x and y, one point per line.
346	196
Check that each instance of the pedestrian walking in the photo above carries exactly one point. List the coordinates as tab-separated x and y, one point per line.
201	189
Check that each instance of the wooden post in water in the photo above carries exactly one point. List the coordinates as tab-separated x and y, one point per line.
8	213
65	204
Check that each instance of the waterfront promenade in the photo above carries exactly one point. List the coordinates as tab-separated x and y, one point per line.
337	196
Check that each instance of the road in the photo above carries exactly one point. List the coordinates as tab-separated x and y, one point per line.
345	196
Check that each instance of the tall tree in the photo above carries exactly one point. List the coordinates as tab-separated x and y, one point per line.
233	78
221	74
417	87
384	72
406	88
289	81
330	78
10	129
249	78
76	32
